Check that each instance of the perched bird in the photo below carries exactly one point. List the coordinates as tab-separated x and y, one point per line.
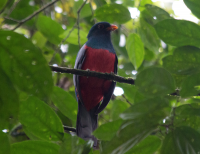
92	93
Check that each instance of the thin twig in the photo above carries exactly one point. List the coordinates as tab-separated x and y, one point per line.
126	99
92	13
1	11
34	14
107	76
69	129
8	18
13	7
78	18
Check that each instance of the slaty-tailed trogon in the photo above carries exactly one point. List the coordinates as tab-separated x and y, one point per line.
92	93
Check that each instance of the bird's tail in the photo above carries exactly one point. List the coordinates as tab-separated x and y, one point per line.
87	122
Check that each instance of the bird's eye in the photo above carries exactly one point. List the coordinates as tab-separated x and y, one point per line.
100	26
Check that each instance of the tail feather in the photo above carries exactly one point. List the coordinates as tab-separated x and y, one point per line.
87	122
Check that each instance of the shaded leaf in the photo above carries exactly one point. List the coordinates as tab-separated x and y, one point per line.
178	32
85	11
108	130
24	64
50	29
149	145
65	103
9	102
140	120
73	38
155	81
2	4
4	142
113	13
34	147
135	50
193	5
190	86
40	120
148	36
183	140
184	61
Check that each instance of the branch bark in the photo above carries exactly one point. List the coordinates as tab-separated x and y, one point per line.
107	76
34	14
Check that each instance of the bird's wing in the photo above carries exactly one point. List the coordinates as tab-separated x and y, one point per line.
78	64
108	95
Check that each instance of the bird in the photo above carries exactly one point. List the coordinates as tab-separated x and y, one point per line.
92	93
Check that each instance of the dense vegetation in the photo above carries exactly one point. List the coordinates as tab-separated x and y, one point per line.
160	113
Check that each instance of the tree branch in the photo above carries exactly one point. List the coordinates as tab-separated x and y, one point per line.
107	76
34	14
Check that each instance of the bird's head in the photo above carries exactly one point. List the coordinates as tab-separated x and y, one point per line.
101	28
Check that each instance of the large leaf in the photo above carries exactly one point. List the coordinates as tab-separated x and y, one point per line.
84	11
113	13
9	102
108	130
155	81
73	38
148	146
50	29
135	50
182	140
65	103
154	14
184	61
148	36
140	120
34	147
2	4
178	32
5	144
190	86
40	120
24	64
193	5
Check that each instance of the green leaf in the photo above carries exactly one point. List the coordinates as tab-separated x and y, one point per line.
2	4
85	11
73	38
183	140
34	147
4	142
178	32
50	29
184	61
9	102
38	39
65	103
149	145
148	36
140	120
108	130
135	50
190	86
40	120
66	145
193	5
113	13
154	14
24	64
155	81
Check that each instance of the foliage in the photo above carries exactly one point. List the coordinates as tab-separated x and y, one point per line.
159	114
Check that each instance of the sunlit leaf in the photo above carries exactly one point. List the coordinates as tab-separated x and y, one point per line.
113	13
40	120
155	81
182	140
178	32
135	50
38	39
34	147
24	64
50	29
65	103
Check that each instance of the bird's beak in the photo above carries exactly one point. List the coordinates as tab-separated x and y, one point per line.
112	28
